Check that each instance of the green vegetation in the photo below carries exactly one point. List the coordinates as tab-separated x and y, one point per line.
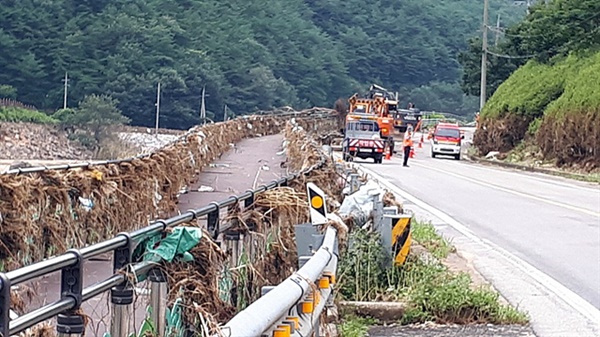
545	102
14	114
355	326
426	235
551	101
250	55
555	28
429	289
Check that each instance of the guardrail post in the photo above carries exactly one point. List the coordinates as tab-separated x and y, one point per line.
377	210
307	239
248	202
232	240
158	299
213	221
71	323
354	183
4	305
121	296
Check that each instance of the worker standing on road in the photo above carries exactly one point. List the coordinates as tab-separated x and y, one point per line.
408	144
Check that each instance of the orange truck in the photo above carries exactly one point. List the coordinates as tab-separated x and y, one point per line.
376	106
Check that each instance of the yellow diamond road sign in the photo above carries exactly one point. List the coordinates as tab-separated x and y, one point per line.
316	201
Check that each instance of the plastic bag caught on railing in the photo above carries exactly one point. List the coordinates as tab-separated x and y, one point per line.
360	203
177	243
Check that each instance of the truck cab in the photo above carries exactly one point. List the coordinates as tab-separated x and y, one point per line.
446	139
362	140
403	118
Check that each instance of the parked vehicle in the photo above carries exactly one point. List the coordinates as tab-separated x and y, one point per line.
446	139
362	139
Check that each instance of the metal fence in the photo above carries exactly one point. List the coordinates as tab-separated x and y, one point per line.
67	309
316	114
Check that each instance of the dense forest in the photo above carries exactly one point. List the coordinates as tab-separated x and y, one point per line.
551	101
249	55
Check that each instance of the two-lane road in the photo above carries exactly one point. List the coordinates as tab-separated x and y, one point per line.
551	223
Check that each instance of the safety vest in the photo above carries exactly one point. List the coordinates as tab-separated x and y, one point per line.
408	141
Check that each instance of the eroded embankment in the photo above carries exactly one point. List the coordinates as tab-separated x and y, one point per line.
45	213
553	107
225	279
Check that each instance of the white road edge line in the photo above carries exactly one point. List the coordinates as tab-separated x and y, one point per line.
572	299
521	194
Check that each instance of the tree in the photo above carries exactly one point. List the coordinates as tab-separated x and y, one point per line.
7	91
94	114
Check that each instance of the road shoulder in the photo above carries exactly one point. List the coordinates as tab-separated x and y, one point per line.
553	311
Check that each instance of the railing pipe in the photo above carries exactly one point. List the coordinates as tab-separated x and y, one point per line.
41	268
44	313
103	247
267	310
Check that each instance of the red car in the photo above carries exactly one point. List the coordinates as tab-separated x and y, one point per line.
446	140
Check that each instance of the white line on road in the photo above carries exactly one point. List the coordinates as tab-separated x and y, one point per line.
541	177
572	299
500	188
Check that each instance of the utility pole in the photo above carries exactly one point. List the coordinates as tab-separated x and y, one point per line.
497	31
157	108
66	80
203	108
484	46
225	113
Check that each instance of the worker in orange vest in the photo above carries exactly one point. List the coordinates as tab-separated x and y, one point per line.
408	144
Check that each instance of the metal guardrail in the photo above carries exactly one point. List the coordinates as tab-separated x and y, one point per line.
72	294
294	306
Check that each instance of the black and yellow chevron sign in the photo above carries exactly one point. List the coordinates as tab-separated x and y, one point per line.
401	239
318	208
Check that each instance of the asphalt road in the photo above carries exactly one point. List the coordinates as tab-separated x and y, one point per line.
551	223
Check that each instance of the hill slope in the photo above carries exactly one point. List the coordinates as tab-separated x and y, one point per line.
555	106
249	54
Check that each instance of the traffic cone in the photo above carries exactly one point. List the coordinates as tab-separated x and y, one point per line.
421	142
412	152
387	155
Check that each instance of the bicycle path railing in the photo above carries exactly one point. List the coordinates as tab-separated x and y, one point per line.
67	309
313	113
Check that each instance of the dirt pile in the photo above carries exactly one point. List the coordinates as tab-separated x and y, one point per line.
45	213
37	141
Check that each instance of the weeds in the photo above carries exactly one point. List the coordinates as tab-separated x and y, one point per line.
426	236
430	290
356	326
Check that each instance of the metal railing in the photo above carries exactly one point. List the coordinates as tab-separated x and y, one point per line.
302	114
70	321
295	305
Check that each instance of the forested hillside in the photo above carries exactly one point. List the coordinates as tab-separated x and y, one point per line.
249	54
553	101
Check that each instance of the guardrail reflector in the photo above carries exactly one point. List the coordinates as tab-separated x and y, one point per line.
401	240
331	277
294	319
281	332
307	307
318	207
324	282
